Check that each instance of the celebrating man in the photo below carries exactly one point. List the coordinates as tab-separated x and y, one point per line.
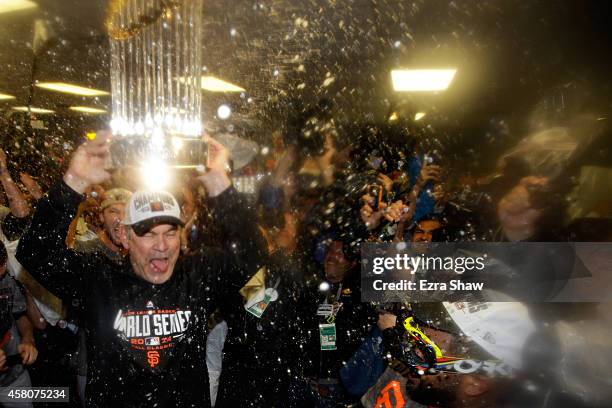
146	316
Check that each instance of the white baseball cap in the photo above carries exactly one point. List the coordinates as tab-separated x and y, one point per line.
145	209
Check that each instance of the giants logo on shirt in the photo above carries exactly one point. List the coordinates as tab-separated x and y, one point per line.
151	333
391	396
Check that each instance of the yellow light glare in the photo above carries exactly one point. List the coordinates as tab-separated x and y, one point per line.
7	6
177	143
86	109
422	80
32	109
210	83
4	97
419	115
71	89
393	117
155	174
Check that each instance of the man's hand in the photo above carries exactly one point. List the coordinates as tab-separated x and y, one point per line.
2	360
88	163
429	172
3	167
394	212
284	166
517	216
385	181
370	218
28	352
438	193
216	179
386	321
2	159
32	186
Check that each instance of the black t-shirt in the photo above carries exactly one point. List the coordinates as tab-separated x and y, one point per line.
146	343
14	227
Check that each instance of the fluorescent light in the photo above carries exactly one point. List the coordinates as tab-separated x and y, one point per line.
86	109
32	109
4	97
419	115
213	84
419	80
71	89
7	6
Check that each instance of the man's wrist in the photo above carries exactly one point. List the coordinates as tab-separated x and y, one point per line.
28	340
216	182
75	183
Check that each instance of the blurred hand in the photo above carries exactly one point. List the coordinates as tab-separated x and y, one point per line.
2	159
28	353
438	193
216	179
88	163
429	172
32	186
386	321
370	218
2	360
218	155
395	211
517	216
284	165
386	182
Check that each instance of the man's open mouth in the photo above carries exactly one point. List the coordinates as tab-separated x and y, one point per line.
159	265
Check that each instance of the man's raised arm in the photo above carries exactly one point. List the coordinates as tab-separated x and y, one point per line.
42	250
237	224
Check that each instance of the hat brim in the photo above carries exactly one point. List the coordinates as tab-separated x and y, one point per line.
142	227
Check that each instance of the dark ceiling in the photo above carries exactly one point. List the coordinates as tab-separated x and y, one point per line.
509	55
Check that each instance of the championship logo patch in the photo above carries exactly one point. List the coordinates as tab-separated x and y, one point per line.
152	341
157	206
153	358
150	334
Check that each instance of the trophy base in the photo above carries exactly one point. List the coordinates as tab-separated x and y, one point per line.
178	152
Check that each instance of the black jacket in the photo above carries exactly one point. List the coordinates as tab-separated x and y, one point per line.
353	324
259	356
146	343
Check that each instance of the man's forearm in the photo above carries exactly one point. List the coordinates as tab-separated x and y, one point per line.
49	226
76	183
17	202
26	330
216	182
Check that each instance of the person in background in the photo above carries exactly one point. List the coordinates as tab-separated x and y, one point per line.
17	347
107	242
332	324
20	210
110	214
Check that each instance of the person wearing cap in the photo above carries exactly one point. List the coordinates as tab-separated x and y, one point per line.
146	316
108	240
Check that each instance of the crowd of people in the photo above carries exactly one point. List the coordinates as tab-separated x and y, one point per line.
201	295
